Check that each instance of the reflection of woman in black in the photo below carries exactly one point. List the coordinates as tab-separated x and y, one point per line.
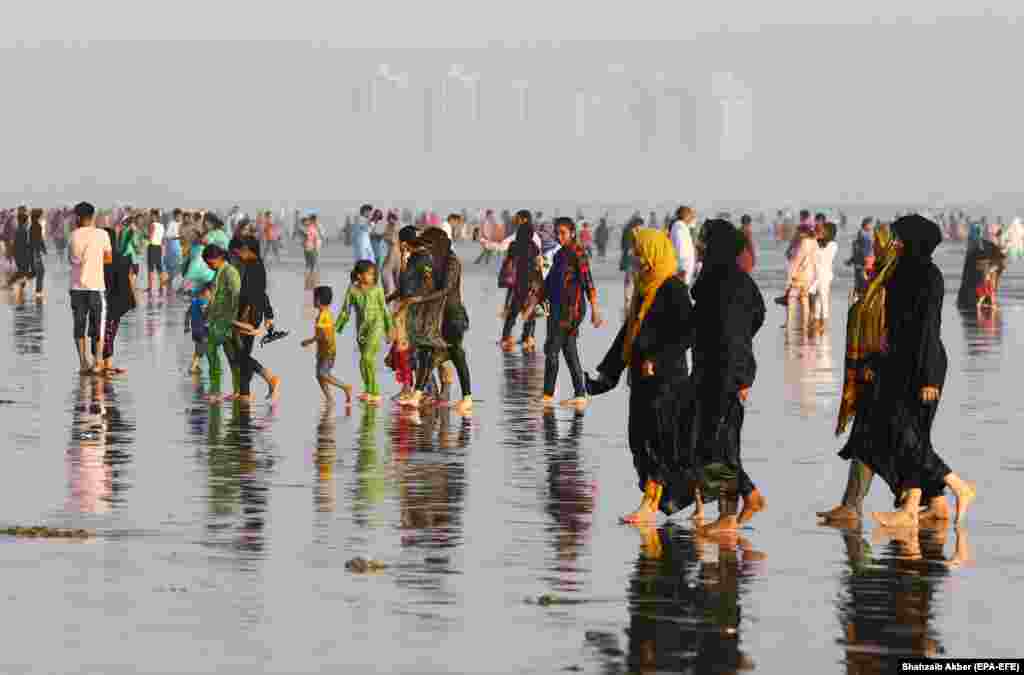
570	501
432	483
685	611
885	606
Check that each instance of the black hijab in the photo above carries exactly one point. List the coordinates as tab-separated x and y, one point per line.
721	247
920	238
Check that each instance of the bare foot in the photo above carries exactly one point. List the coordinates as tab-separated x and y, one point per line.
373	400
895	518
937	513
643	515
547	401
275	388
964	499
364	396
962	553
650	545
840	514
723	524
580	402
347	388
752	503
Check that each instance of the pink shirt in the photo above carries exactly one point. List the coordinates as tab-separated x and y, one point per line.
803	267
88	246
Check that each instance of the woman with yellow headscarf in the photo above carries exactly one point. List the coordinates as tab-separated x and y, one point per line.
865	350
652	344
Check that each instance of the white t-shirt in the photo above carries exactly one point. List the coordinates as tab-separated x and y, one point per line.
172	230
158	234
88	246
826	256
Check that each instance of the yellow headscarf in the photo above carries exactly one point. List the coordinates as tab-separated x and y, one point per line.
866	330
654	250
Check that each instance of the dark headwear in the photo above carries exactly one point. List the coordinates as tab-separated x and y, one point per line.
213	252
524	250
721	243
407	234
84	210
919	235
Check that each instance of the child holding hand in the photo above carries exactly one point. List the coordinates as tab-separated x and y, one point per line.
373	322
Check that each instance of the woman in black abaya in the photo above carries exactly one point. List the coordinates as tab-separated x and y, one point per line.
652	344
910	382
729	312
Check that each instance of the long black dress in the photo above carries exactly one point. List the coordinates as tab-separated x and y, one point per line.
729	312
899	447
660	406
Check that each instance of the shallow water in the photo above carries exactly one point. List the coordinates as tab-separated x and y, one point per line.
223	532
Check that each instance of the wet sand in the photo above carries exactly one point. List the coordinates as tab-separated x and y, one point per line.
223	533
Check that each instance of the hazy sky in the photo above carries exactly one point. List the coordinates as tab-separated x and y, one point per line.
784	101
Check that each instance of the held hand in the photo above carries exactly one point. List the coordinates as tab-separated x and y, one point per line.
929	394
647	368
596	319
744	393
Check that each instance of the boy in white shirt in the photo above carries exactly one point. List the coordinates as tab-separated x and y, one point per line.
89	250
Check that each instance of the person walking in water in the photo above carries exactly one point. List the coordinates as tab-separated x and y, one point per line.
568	288
90	249
361	243
729	312
682	240
652	345
626	264
373	324
909	384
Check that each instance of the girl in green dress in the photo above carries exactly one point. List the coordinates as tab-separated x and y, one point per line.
373	323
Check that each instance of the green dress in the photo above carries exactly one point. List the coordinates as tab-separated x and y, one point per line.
373	323
220	316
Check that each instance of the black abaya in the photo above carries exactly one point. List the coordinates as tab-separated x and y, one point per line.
895	438
729	311
660	406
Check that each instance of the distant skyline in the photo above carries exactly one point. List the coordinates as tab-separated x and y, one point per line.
891	110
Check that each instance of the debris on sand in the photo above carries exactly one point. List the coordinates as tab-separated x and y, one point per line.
42	532
359	565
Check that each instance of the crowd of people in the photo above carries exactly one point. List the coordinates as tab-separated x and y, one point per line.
692	312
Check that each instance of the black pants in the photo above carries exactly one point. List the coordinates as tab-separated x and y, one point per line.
457	355
247	366
40	270
512	310
88	311
560	343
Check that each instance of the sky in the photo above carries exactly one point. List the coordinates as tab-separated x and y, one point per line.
415	102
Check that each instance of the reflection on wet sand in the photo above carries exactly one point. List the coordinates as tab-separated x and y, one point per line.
237	484
570	501
325	493
370	480
886	607
685	609
983	334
